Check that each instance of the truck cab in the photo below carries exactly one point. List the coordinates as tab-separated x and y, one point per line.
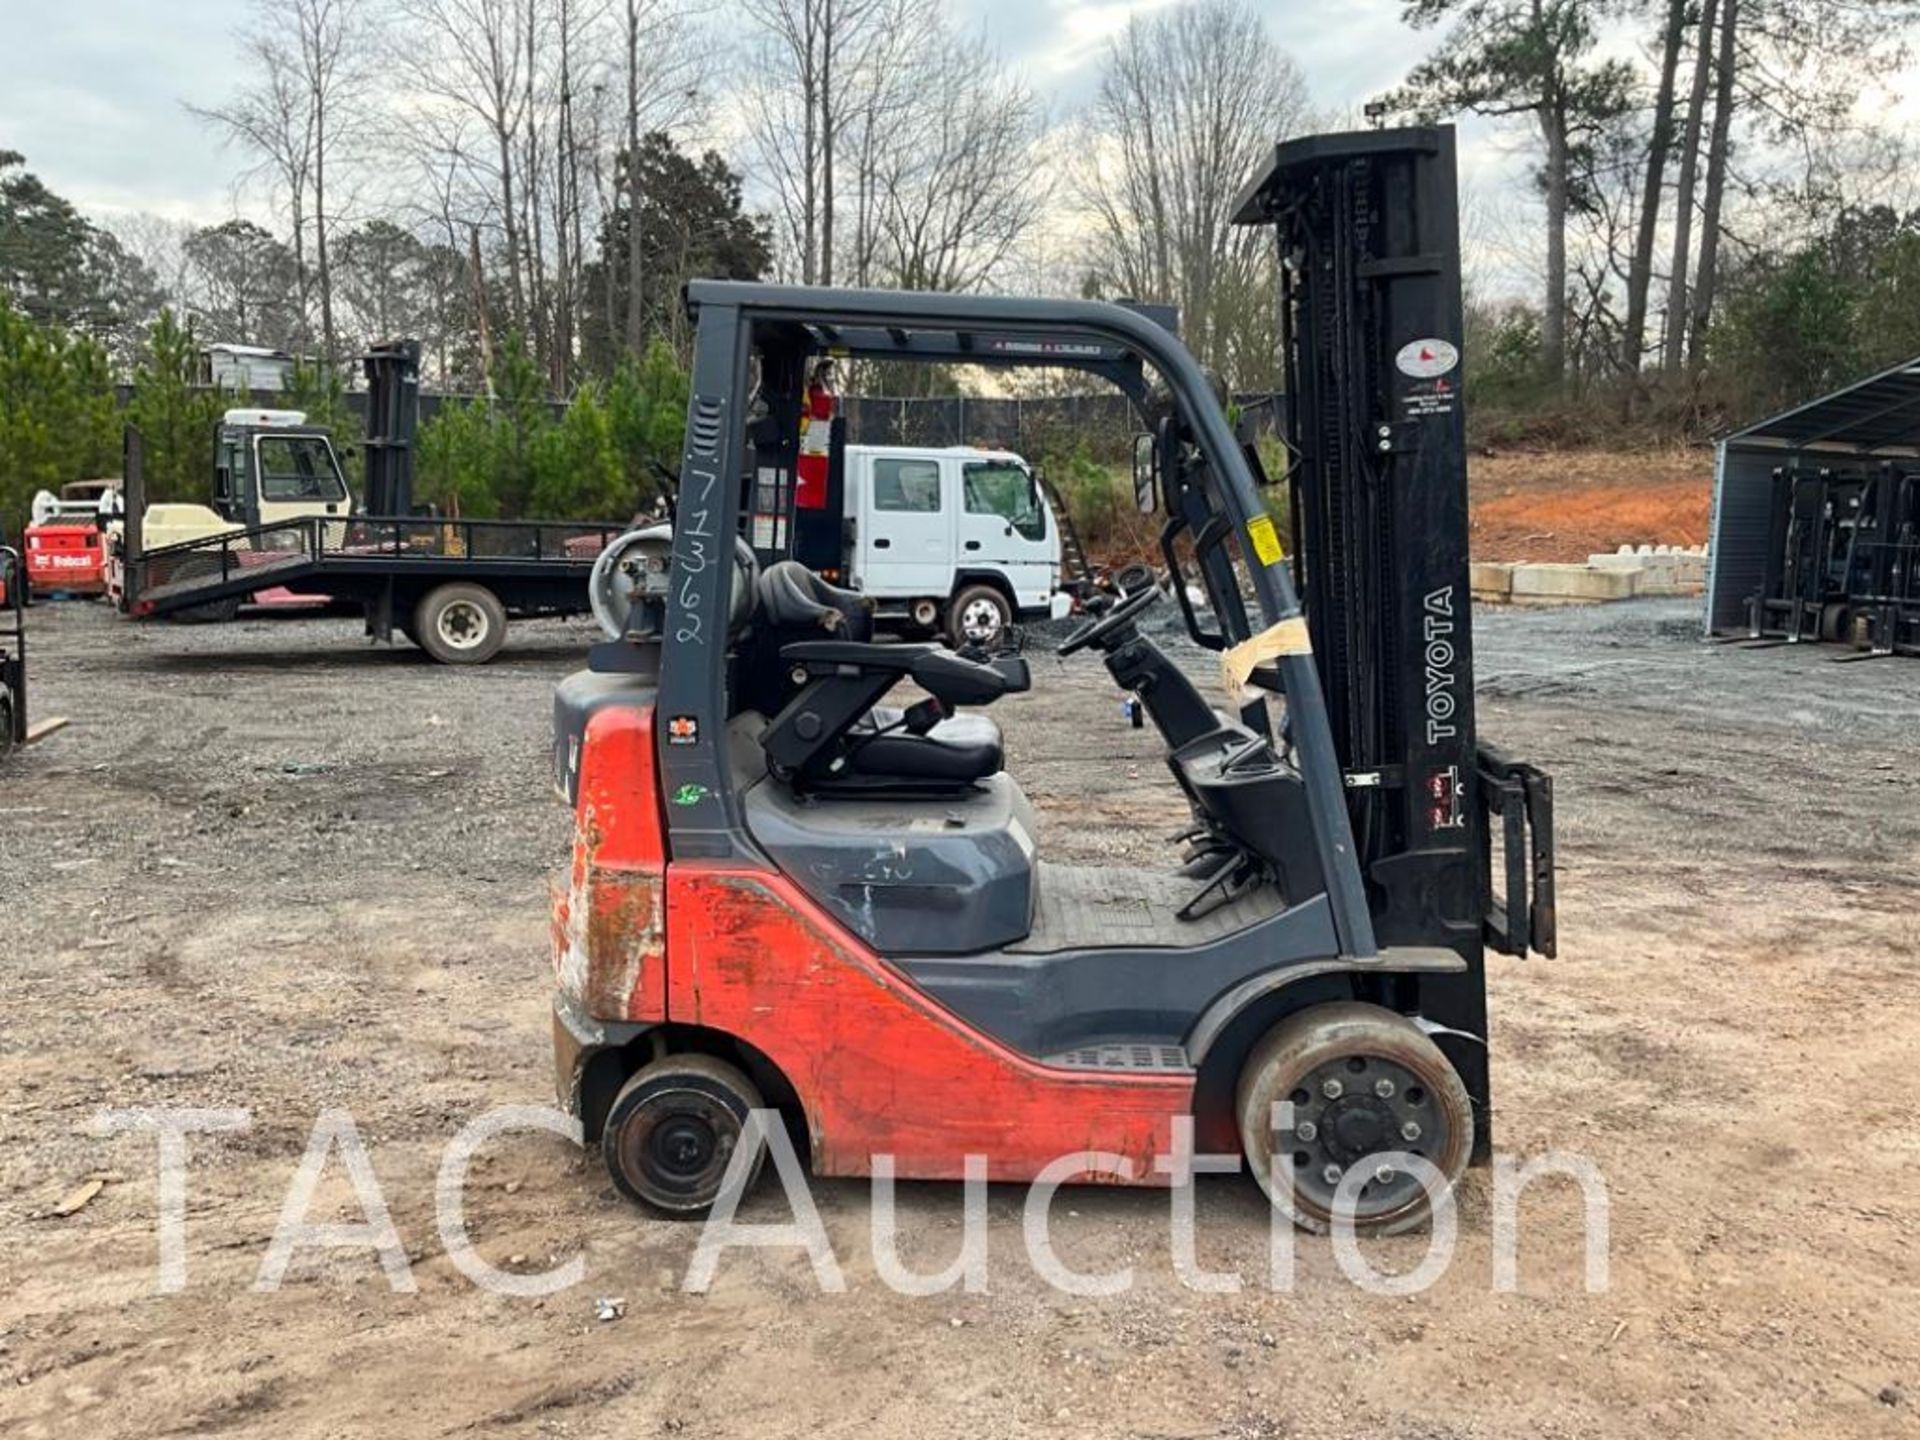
269	467
956	539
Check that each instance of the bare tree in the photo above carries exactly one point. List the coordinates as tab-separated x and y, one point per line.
663	78
954	182
1189	102
159	244
1719	145
1653	185
299	113
817	66
1674	345
270	117
465	59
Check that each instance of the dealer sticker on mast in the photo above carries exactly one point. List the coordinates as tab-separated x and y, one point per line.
1428	359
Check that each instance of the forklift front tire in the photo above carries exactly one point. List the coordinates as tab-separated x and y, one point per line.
460	624
1362	1083
671	1133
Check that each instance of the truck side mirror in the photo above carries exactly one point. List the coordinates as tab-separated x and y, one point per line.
1146	454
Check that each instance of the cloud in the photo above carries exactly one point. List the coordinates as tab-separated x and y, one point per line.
93	100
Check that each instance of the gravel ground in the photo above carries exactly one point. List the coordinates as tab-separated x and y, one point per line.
269	867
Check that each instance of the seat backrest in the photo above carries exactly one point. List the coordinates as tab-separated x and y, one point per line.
793	598
791	605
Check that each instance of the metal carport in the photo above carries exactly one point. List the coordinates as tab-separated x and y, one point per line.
1869	423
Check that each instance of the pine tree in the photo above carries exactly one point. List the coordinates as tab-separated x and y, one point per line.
176	418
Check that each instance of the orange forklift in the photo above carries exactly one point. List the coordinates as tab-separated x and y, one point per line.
791	889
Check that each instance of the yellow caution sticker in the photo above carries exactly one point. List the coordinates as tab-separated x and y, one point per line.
1266	540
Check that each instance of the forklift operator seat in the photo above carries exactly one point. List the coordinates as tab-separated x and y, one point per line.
832	736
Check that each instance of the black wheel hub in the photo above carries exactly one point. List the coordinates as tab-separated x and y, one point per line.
682	1145
1359	1127
676	1146
1350	1109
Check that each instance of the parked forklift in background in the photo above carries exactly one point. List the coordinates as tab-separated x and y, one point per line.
786	892
17	727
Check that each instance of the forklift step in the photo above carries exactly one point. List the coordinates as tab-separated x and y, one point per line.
1132	1056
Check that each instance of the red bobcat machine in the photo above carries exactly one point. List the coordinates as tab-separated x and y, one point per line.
66	543
786	892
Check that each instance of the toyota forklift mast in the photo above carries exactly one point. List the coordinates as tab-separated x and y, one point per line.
1367	225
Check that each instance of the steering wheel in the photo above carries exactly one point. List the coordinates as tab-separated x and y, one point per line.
1104	627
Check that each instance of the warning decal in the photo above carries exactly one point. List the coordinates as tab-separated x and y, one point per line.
1266	540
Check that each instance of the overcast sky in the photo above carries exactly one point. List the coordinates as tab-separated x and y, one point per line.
94	92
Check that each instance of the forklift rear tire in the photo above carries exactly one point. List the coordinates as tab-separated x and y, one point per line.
979	615
1362	1081
460	624
671	1133
1836	622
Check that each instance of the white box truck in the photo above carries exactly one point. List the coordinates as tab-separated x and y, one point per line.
958	540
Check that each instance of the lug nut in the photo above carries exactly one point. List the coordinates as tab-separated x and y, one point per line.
1331	1174
1410	1131
1332	1089
1383	1087
1384	1174
1306	1130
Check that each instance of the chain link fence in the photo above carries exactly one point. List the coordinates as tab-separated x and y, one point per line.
1031	426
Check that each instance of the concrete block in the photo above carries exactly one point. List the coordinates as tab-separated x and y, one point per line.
1492	581
1572	584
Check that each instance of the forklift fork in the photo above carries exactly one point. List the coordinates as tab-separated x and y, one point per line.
1523	916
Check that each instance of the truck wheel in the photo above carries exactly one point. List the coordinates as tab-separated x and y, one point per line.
460	624
214	612
1362	1082
672	1131
979	615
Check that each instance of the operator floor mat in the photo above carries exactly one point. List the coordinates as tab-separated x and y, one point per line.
1087	906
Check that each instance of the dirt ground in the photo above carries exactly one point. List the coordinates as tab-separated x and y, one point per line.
1567	505
270	868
